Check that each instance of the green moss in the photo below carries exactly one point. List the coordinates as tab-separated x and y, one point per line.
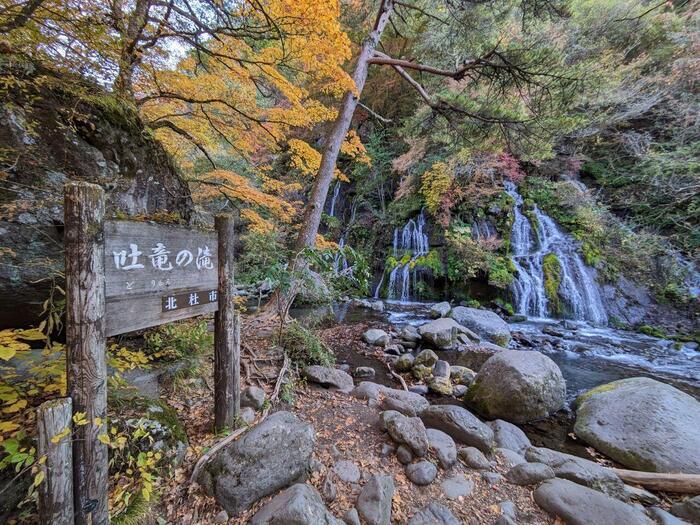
431	261
652	331
551	268
580	400
501	271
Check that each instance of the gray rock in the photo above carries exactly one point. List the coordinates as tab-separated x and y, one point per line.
253	397
474	356
507	435
347	471
508	509
441	369
352	517
369	390
404	454
474	458
394	349
442	333
643	424
418	389
374	501
491	477
433	514
376	337
247	415
662	517
440	310
300	504
221	517
640	495
329	377
462	374
508	457
407	409
328	489
529	473
421	473
409	431
426	358
579	505
518	386
460	424
688	509
386	416
421	372
441	386
364	372
485	323
443	446
459	390
457	487
259	463
409	333
404	363
579	470
387	450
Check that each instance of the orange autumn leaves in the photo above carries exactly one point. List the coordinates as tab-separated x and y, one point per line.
248	101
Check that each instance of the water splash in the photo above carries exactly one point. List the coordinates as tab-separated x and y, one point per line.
578	290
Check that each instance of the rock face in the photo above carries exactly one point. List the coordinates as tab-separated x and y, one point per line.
376	337
517	386
374	501
300	504
578	505
259	462
643	424
57	137
442	333
460	424
485	323
329	377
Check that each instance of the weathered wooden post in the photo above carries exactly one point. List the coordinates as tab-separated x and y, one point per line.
227	350
56	490
84	209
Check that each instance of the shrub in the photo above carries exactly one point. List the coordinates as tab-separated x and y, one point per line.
178	340
304	347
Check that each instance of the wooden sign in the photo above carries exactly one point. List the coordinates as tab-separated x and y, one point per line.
157	273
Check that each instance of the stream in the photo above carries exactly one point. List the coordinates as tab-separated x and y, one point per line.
588	356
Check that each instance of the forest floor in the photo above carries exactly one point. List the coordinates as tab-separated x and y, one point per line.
346	429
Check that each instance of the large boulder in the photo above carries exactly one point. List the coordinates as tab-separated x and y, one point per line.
259	463
579	505
329	377
460	424
315	290
474	355
442	333
485	323
509	436
300	504
643	424
517	386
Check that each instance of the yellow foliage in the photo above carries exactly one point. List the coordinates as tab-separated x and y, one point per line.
323	244
434	184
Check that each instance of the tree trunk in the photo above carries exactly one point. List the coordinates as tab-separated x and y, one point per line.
319	192
280	302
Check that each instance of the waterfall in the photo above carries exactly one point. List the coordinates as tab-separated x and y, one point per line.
334	198
483	229
340	261
577	289
410	240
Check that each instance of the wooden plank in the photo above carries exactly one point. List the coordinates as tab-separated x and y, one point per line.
84	208
227	346
56	490
145	264
678	483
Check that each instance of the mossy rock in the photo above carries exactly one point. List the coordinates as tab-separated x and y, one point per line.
551	268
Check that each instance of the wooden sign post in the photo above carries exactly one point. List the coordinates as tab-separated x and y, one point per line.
123	276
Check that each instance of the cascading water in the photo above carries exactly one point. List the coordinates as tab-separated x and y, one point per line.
577	289
334	199
409	240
